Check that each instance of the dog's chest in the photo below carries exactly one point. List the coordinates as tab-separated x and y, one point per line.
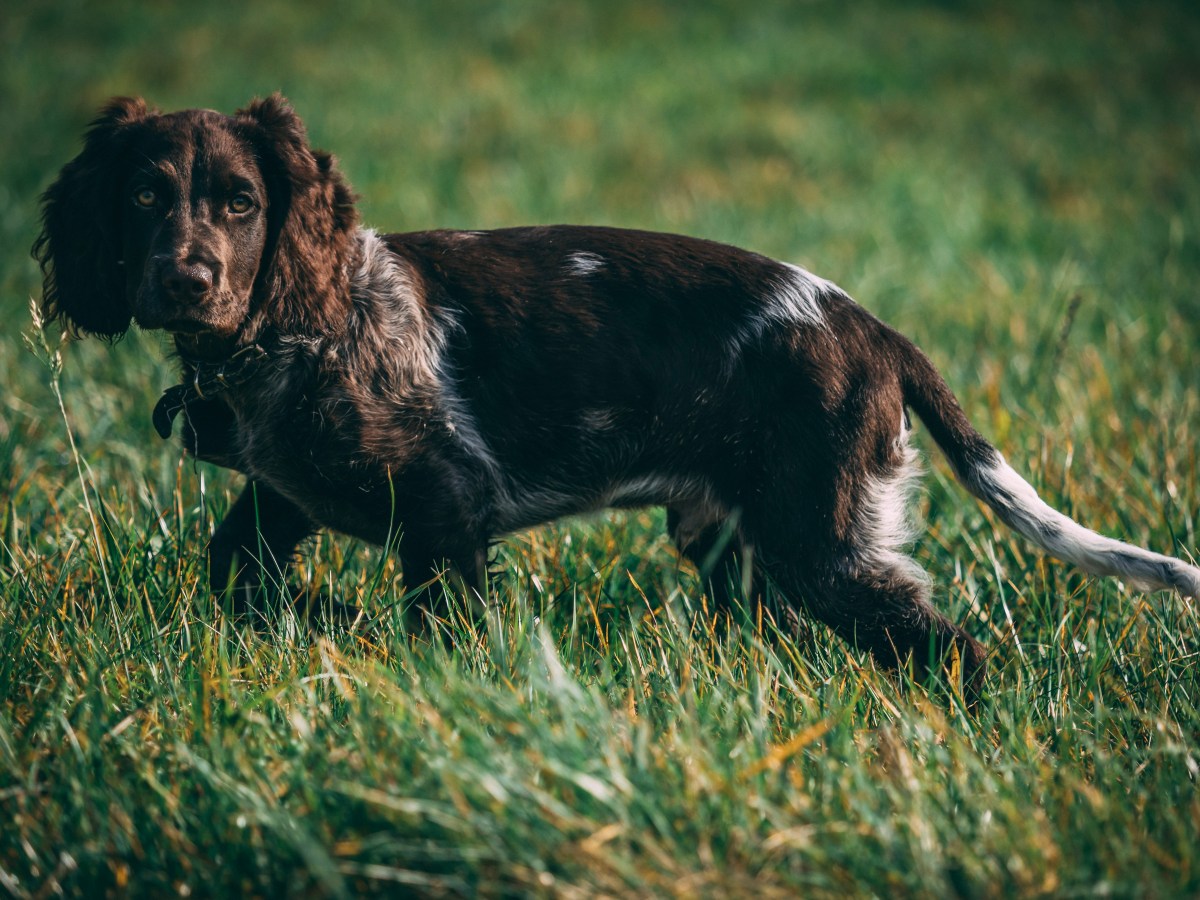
300	443
353	466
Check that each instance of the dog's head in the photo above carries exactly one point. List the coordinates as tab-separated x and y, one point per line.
196	223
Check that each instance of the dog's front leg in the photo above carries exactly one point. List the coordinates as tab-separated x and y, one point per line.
433	577
250	551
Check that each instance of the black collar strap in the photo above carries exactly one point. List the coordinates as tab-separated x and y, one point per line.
209	379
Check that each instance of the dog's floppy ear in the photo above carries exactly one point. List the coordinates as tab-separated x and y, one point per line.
311	216
79	249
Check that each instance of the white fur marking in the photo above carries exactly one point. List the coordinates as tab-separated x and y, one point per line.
793	298
384	284
522	506
1017	504
598	418
797	299
648	490
885	524
386	289
583	263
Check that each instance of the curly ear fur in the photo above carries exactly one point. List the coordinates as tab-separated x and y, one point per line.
312	218
79	249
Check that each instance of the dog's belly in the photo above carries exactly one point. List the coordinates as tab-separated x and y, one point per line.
517	507
451	497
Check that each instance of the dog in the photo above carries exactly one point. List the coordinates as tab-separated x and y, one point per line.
437	390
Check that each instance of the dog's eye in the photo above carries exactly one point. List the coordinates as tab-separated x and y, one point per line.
145	198
240	203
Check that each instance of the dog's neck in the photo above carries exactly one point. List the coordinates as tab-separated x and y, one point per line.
383	289
388	327
205	348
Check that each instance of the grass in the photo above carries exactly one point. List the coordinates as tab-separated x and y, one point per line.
1014	187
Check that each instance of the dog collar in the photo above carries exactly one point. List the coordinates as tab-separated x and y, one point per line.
208	380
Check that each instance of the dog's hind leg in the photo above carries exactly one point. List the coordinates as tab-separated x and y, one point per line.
843	560
715	546
876	599
887	612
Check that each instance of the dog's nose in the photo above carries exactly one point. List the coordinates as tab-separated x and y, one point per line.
188	282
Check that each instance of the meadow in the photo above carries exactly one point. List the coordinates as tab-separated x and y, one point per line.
1016	187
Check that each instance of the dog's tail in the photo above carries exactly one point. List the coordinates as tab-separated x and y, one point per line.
982	470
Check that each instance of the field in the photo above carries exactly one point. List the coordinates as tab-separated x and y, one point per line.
1016	187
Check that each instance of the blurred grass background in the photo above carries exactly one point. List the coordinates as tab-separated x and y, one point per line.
1013	185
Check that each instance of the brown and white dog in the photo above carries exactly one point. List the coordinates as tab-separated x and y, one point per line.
444	388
